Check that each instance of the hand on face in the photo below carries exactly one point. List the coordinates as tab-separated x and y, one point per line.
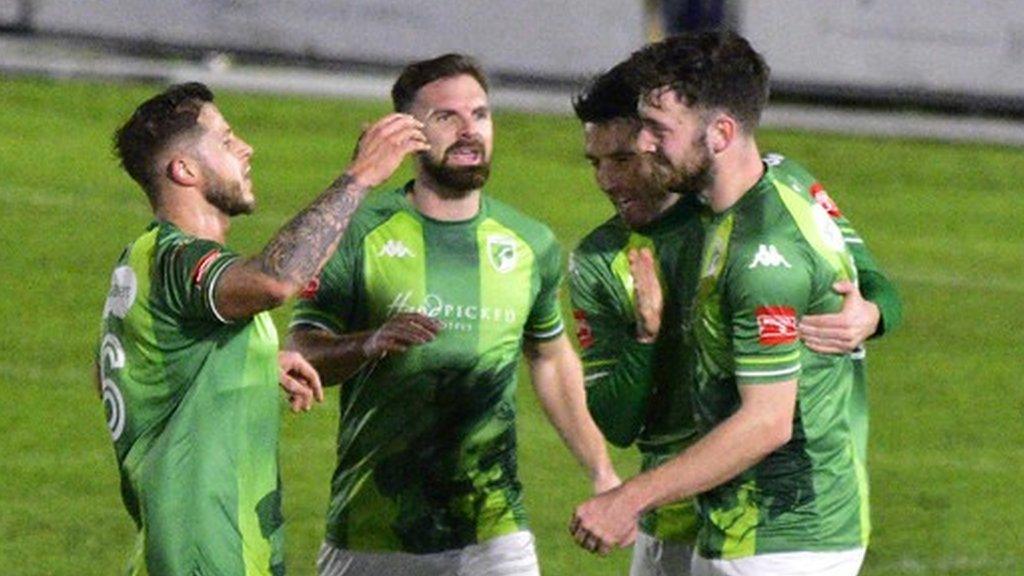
383	146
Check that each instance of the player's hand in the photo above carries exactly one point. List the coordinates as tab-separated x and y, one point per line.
401	332
844	331
647	288
382	147
300	380
604	522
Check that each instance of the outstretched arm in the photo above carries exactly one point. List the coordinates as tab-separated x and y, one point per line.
301	247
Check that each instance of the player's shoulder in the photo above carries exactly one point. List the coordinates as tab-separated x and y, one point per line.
531	230
608	237
796	176
378	208
789	170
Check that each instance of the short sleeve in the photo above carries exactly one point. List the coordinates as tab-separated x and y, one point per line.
545	319
767	289
189	271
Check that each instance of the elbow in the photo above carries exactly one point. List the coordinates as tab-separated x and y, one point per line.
276	292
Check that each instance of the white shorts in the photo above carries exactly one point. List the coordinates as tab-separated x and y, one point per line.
844	563
654	557
509	555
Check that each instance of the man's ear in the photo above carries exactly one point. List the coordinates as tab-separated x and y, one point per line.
182	170
722	132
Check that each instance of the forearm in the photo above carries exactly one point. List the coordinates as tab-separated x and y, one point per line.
300	247
559	388
292	257
737	444
618	391
335	357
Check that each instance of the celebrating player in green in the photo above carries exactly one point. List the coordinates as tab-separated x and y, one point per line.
781	482
423	313
188	363
636	350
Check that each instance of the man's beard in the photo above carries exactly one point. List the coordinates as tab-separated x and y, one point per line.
693	179
457	181
227	196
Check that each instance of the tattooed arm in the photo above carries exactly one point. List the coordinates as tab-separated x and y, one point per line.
298	250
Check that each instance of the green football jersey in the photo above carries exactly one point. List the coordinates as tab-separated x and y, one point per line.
873	284
640	393
426	439
192	404
768	260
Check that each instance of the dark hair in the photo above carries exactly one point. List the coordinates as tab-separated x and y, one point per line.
419	74
606	97
154	125
707	70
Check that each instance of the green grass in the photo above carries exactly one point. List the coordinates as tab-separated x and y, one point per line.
947	440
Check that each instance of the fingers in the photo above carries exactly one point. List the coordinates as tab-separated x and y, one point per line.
300	380
299	396
844	287
586	539
402	332
384	145
827	337
302	370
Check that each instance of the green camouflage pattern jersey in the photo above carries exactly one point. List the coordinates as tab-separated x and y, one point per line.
636	392
640	393
873	284
426	439
192	404
768	260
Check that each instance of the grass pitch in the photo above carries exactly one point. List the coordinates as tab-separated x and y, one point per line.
947	438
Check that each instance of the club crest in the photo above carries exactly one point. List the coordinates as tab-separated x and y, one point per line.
501	251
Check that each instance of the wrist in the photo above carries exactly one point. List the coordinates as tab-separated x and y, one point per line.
355	180
644	338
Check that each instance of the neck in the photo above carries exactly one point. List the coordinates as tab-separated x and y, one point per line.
737	171
188	210
433	201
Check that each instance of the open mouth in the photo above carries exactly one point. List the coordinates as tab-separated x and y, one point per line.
465	155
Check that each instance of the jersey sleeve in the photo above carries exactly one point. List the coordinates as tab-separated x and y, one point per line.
329	301
545	319
189	270
875	286
767	288
617	368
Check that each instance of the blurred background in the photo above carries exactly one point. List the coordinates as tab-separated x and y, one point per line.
911	113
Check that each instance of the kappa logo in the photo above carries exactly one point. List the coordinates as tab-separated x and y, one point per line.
769	257
395	249
501	251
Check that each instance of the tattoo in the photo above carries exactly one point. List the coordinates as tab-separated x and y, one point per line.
303	245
